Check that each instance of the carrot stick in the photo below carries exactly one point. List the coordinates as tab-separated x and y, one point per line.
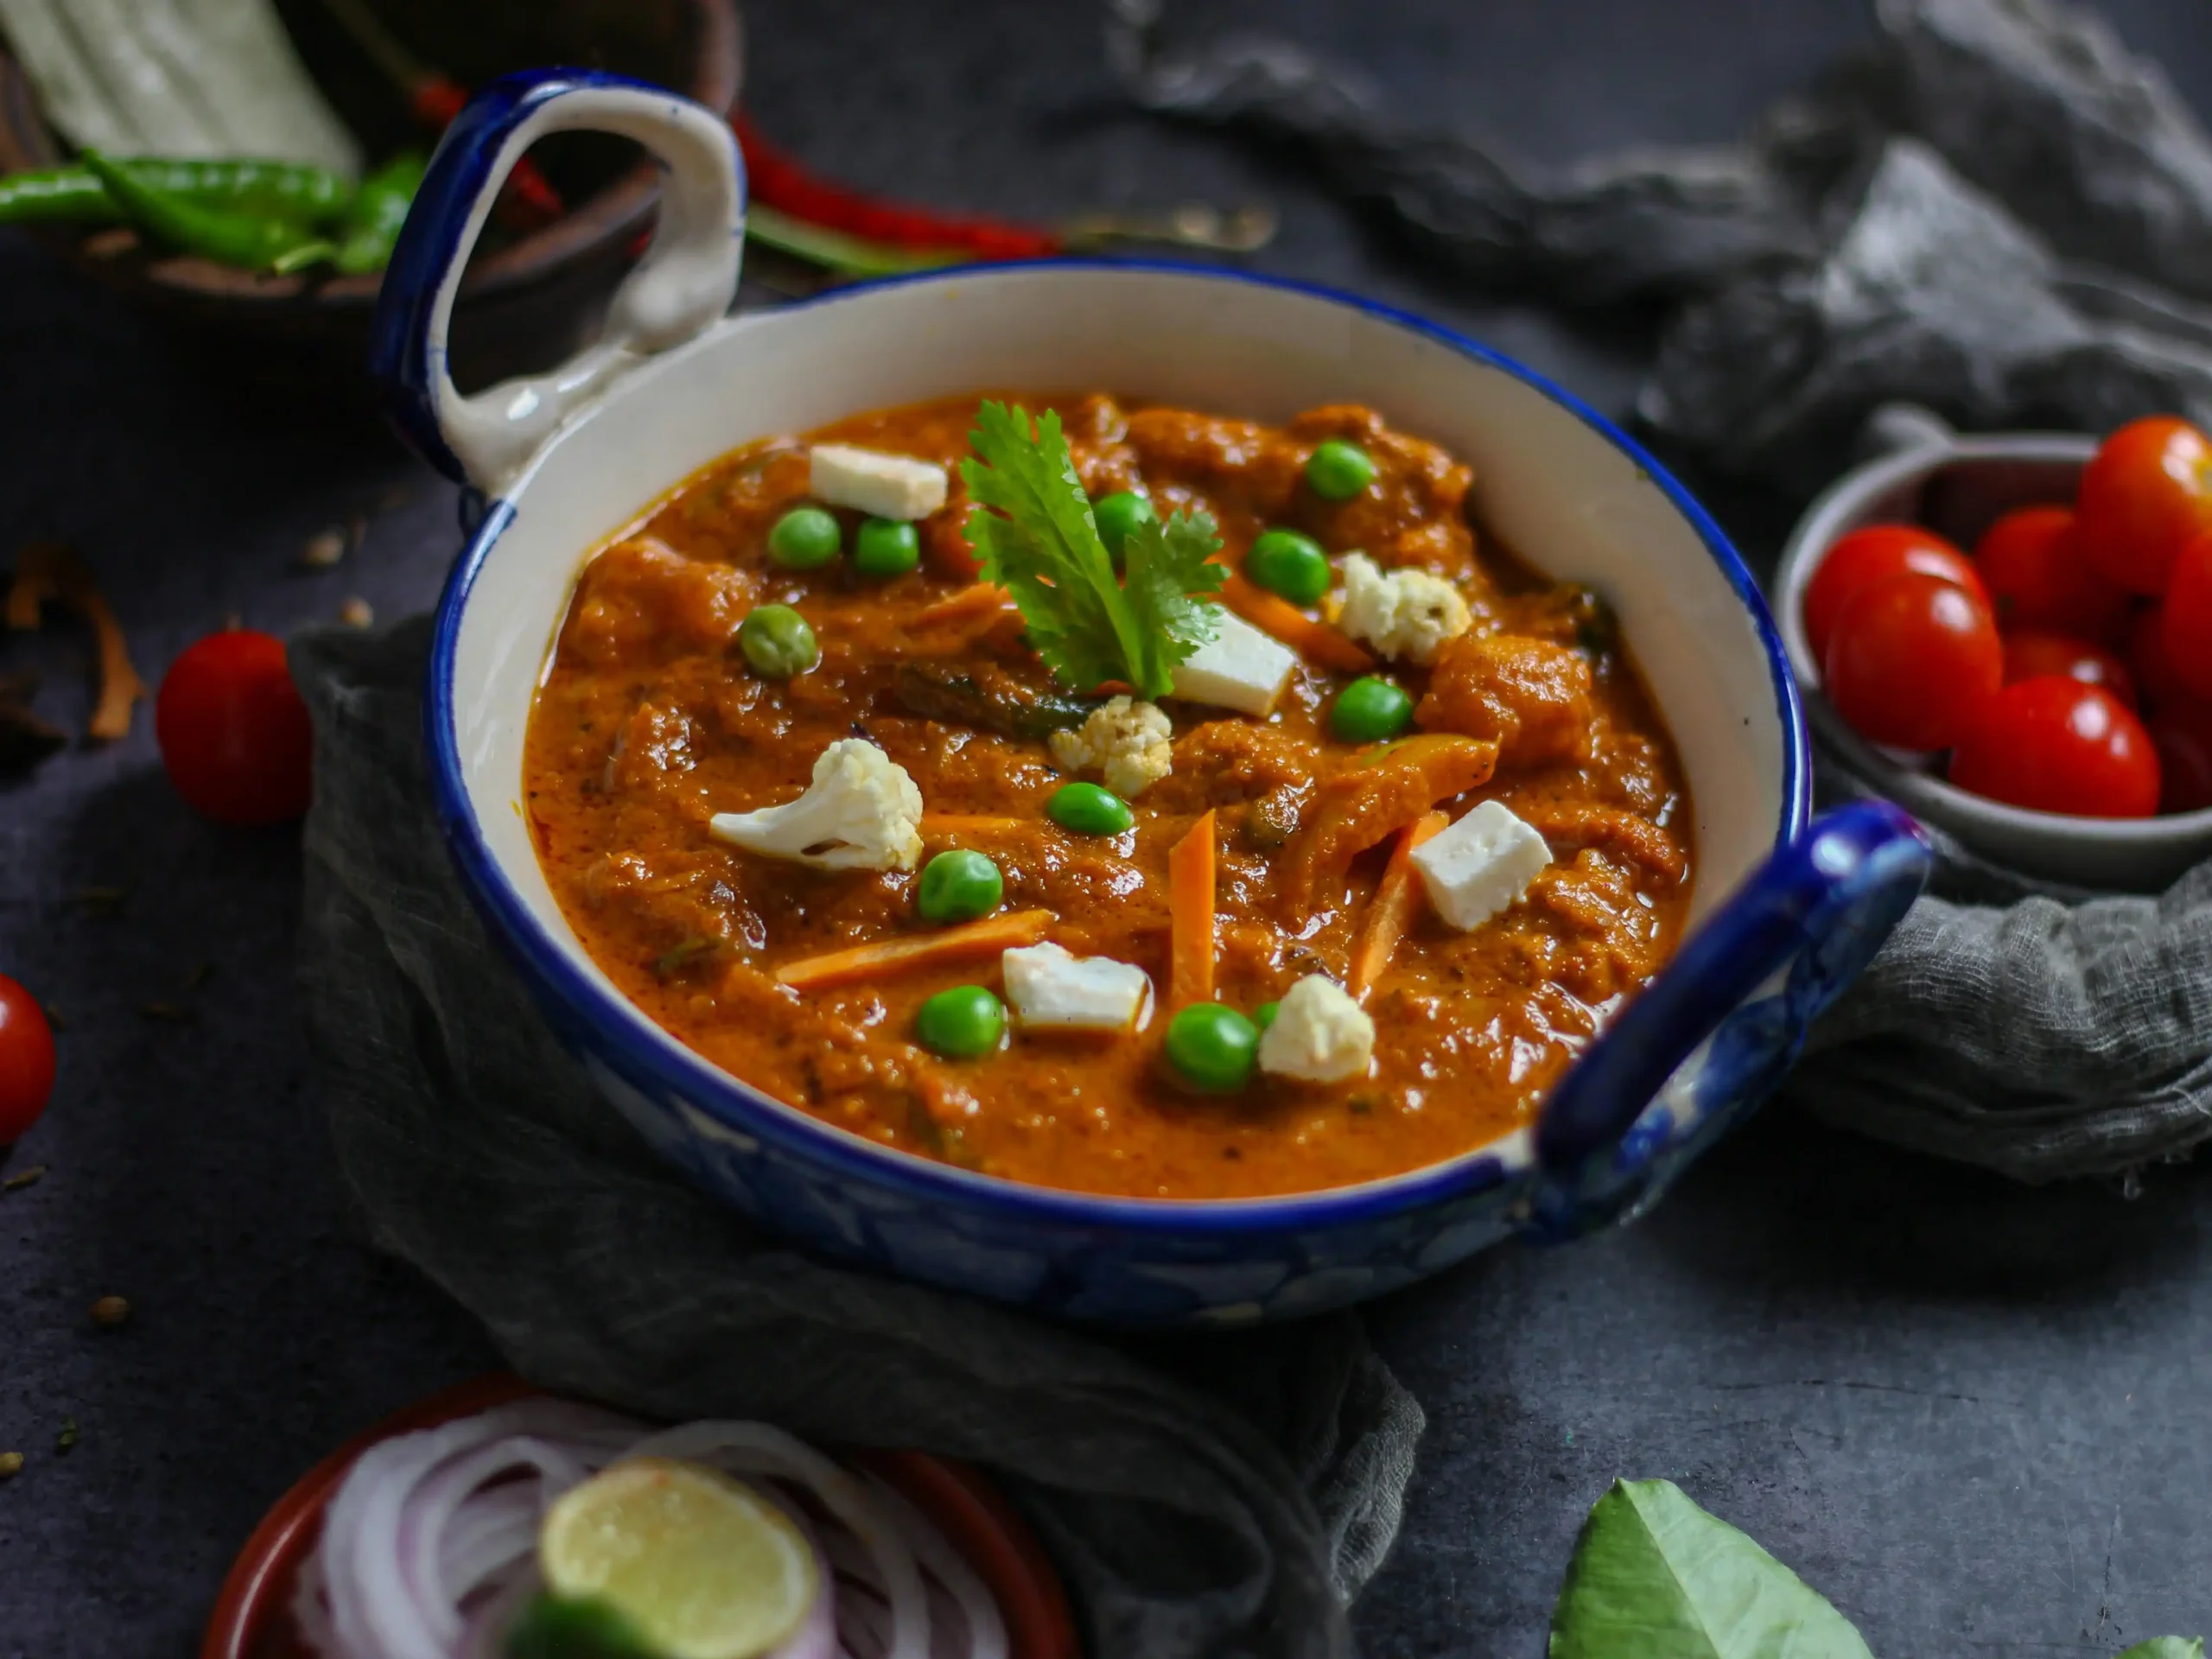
1319	643
1392	908
1190	916
868	962
970	604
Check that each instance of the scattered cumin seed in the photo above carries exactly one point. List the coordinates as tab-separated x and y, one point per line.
110	1311
66	1437
200	974
54	1018
356	531
99	901
324	548
170	1011
23	1177
356	612
11	1465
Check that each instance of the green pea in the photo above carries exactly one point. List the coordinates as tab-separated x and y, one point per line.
805	538
1211	1047
1118	517
1264	1016
958	887
1088	809
961	1023
885	546
777	642
1370	710
1284	561
1338	471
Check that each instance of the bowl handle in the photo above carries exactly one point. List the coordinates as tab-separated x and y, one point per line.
1711	1036
684	283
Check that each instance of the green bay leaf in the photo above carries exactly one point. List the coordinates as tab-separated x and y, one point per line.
2167	1647
1655	1577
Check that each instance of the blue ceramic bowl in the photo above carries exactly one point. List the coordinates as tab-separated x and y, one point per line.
1786	914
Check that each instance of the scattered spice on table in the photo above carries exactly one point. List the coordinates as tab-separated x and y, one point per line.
172	1013
357	613
109	1312
324	548
51	572
35	1173
11	1465
66	1438
100	901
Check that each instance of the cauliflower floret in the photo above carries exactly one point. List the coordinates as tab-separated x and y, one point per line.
1320	1034
860	813
1405	614
1126	740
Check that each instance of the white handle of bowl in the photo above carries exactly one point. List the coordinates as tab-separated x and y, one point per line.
684	283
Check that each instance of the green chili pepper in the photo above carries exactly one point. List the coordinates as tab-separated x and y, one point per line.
379	209
252	241
312	195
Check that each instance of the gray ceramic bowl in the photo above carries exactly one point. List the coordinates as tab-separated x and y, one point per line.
1956	485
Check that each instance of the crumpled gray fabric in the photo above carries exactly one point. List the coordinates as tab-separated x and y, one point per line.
1997	212
1204	1496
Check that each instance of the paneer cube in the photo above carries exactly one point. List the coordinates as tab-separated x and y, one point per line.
1318	1035
1481	865
1241	668
868	481
1051	989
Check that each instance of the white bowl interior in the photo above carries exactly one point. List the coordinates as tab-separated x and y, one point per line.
1558	491
1959	489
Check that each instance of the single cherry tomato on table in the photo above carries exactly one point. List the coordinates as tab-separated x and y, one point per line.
2156	681
1868	555
2030	653
25	1060
2147	493
2185	617
2181	731
234	734
2031	562
2055	744
1911	660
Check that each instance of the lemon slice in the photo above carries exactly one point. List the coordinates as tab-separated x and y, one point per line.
701	1564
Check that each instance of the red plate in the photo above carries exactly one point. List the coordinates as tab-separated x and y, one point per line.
252	1618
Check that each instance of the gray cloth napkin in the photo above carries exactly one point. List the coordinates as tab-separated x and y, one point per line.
1998	212
1218	1495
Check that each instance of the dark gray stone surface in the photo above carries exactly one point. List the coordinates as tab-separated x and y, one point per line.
1973	1413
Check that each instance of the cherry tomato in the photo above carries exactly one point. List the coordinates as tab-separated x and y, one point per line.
2055	744
1912	659
234	734
2030	653
1865	556
2181	731
2185	621
2148	491
2031	562
2156	681
25	1060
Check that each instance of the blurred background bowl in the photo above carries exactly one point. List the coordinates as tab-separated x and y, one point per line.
528	301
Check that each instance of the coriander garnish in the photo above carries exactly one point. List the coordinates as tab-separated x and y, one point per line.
1042	546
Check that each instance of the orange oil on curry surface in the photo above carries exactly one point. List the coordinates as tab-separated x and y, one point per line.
648	722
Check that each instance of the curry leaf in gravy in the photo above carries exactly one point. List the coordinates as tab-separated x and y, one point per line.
1653	1574
1042	545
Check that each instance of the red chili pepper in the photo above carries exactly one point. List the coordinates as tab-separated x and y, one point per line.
776	179
528	199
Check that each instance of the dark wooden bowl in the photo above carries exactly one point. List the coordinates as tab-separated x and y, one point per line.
525	304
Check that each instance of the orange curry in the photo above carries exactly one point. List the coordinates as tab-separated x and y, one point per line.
650	723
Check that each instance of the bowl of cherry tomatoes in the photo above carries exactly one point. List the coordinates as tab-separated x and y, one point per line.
2011	636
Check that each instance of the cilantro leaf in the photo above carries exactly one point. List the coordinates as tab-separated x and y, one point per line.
1041	545
1167	568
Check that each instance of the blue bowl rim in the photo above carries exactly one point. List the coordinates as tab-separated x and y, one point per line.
743	1109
